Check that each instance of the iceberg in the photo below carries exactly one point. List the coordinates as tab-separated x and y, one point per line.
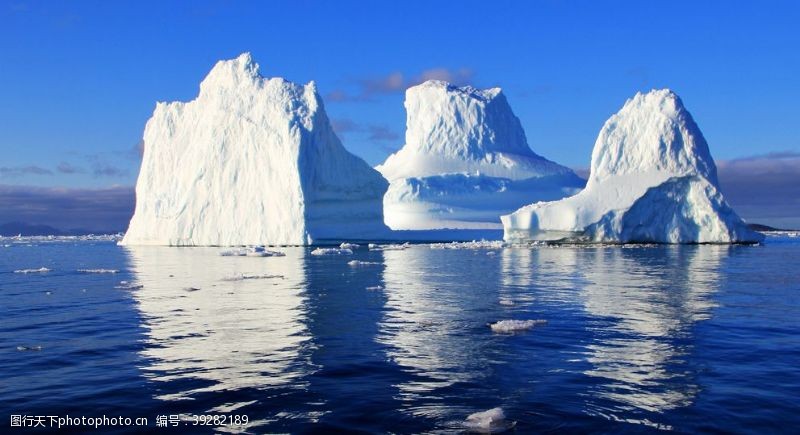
652	180
465	162
251	161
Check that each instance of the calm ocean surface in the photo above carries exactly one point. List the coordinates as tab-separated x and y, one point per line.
637	339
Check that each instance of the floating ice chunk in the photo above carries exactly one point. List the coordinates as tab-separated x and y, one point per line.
512	326
475	244
29	348
39	270
465	161
389	247
255	251
242	277
361	263
125	285
652	180
506	302
202	180
98	270
491	421
346	245
374	288
491	253
331	251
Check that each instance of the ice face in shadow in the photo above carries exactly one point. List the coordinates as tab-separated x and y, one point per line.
251	160
646	302
465	162
208	324
652	180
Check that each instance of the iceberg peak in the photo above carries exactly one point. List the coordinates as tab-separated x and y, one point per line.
465	162
652	180
251	160
231	74
653	132
452	129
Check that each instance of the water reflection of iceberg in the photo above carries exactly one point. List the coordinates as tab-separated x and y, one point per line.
425	328
225	323
645	302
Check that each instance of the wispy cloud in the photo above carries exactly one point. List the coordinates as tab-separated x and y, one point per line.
382	133
68	168
107	209
16	171
372	132
396	82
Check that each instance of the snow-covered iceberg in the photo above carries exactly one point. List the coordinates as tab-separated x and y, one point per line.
466	161
251	160
652	180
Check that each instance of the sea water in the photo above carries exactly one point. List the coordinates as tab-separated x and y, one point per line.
606	338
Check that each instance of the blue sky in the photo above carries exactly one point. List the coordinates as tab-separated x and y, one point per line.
79	79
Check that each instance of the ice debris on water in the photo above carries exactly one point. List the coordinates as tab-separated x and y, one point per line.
332	251
29	348
506	302
512	326
389	247
125	285
475	244
491	421
39	270
98	270
361	263
244	277
252	251
60	239
346	245
374	288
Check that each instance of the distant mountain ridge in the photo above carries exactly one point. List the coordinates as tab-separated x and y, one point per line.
10	229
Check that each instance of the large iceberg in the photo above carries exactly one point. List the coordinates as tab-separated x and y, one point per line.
465	162
251	160
652	180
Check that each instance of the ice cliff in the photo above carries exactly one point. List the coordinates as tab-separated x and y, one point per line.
251	160
466	161
652	180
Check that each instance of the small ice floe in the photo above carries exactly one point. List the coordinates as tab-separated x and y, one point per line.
39	270
48	293
491	253
29	348
491	421
243	277
506	302
98	270
390	247
475	244
374	288
125	285
252	251
512	326
355	263
351	246
332	251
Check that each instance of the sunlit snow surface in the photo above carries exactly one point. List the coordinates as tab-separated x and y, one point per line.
652	179
465	162
688	338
